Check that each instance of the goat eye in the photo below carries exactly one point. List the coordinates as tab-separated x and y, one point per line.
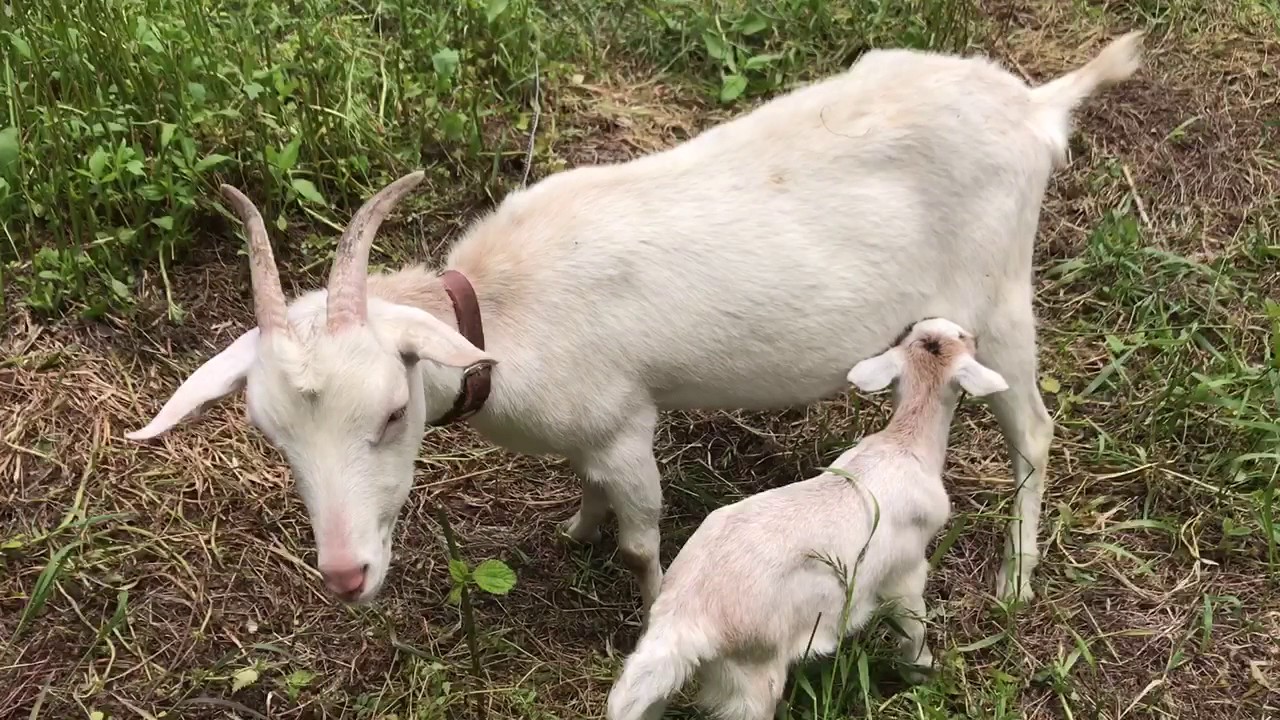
395	416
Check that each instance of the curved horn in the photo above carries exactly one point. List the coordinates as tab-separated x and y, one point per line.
268	299
347	303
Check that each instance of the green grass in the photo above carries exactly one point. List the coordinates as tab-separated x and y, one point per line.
121	116
1195	347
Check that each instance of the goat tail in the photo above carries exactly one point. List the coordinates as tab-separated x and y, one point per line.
663	661
1055	100
1117	61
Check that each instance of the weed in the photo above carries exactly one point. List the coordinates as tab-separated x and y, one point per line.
1163	316
755	48
491	576
124	114
297	681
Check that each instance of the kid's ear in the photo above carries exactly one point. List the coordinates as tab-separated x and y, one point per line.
977	379
878	372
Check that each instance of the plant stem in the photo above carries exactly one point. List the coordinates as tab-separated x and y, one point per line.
468	617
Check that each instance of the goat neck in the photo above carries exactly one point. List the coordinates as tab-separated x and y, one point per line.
921	421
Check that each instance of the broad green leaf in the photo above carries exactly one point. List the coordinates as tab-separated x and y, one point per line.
495	8
21	46
715	45
135	167
454	125
197	92
445	62
8	150
98	162
459	571
759	61
494	577
307	190
146	35
300	678
295	681
210	161
733	87
120	289
165	222
243	679
253	90
289	156
752	24
166	134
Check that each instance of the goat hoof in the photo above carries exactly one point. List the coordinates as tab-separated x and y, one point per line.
919	671
572	531
916	676
1014	586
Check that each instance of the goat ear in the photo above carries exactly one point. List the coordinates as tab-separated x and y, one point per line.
420	334
222	375
876	373
978	379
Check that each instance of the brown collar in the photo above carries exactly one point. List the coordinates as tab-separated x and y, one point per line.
475	379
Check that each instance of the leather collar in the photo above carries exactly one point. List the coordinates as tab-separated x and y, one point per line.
476	378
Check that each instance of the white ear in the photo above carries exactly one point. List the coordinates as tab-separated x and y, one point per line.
220	376
419	333
978	379
876	373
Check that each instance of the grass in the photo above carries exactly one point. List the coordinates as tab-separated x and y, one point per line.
123	115
178	579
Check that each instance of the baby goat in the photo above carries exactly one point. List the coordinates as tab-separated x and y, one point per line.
741	600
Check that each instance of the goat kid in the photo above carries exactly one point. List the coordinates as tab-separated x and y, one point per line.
739	270
740	602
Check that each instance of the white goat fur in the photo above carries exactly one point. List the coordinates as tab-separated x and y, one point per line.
756	587
741	269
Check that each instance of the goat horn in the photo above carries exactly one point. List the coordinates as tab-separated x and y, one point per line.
268	299
347	303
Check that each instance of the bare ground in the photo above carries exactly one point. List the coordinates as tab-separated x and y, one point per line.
180	563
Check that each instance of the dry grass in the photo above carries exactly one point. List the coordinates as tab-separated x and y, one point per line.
175	566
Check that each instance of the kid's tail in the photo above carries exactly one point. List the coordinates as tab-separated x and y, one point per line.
663	661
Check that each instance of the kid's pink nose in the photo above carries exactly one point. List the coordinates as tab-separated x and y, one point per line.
346	581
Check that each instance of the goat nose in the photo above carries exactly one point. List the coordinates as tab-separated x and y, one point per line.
345	581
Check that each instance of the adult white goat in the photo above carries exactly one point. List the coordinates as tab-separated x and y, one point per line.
789	571
741	269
